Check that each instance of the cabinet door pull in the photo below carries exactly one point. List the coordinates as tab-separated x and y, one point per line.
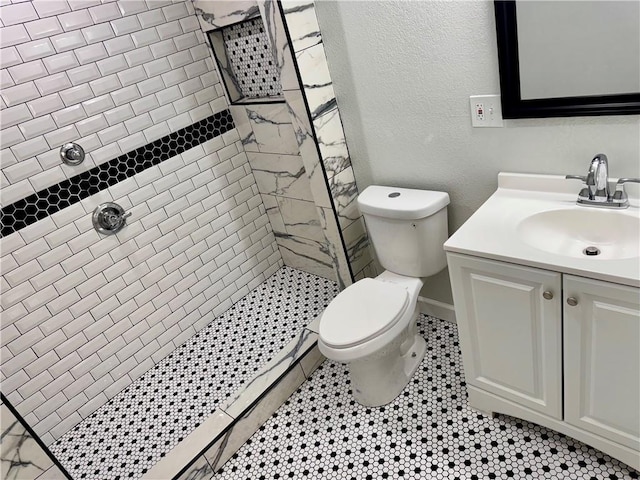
572	301
548	295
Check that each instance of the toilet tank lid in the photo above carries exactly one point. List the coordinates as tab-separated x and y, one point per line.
401	203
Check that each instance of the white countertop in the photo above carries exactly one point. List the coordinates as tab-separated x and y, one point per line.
492	232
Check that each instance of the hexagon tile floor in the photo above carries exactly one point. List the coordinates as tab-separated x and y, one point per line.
129	434
428	432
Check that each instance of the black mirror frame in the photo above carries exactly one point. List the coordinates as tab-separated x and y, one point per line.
513	106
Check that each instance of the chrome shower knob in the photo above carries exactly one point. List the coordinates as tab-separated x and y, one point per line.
72	154
109	218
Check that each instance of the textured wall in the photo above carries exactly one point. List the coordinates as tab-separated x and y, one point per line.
403	80
82	315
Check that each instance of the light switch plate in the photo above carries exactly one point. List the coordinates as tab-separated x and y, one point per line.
486	111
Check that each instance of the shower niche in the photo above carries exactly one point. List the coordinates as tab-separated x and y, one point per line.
246	62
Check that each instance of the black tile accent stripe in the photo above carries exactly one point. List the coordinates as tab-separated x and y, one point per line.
40	205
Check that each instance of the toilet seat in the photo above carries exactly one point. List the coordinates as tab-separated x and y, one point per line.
362	312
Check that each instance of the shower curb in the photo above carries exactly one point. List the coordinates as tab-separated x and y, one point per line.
205	450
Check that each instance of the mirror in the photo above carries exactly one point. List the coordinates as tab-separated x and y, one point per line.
568	58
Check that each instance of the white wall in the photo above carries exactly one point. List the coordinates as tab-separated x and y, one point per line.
403	73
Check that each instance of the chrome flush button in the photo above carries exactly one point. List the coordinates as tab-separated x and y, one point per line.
394	194
109	218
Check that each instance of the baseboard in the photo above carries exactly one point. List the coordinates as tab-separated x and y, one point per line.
434	308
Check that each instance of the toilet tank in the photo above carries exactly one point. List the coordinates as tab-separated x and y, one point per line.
407	228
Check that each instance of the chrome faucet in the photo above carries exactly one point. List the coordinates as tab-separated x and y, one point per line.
596	193
598	179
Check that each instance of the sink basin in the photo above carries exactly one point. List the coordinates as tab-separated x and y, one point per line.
569	232
533	220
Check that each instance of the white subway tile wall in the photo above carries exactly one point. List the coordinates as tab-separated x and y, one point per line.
76	301
83	315
151	53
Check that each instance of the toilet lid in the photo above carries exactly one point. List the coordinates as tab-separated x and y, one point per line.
362	311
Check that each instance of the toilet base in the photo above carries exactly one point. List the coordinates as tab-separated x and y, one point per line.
377	379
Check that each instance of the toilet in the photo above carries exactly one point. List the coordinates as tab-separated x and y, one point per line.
371	325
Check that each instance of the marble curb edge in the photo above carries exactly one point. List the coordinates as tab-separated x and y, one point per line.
217	438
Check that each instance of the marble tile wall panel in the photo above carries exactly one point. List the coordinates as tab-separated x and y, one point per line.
316	80
312	256
241	120
345	194
333	146
20	455
302	23
272	128
281	49
300	218
297	109
268	136
273	212
335	247
308	148
214	14
373	268
280	175
312	65
287	129
358	248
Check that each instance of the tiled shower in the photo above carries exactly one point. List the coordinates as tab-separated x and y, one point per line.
221	194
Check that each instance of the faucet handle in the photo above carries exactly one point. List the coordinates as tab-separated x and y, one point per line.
620	196
622	181
576	177
583	195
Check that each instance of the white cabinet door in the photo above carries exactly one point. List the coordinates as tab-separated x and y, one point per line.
509	333
602	359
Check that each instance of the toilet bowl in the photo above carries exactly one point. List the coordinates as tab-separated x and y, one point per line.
371	325
379	340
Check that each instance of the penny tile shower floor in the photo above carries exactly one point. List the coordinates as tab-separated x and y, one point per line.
428	432
126	437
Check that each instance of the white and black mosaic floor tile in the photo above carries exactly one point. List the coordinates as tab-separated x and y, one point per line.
128	435
428	432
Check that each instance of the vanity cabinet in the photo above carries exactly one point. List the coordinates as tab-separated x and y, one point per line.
534	340
602	359
511	336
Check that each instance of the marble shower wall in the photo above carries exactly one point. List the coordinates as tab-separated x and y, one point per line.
311	62
21	457
269	139
335	236
271	142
